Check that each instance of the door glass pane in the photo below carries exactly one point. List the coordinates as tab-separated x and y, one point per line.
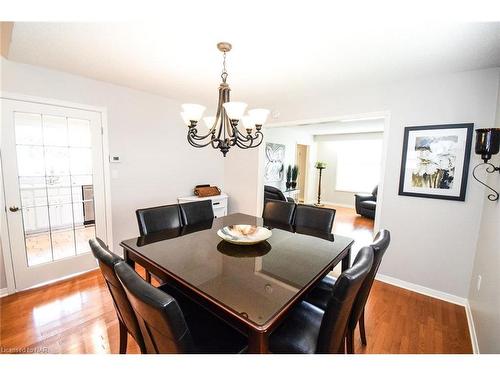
63	243
37	235
55	131
81	161
55	179
79	132
28	128
30	161
83	235
56	161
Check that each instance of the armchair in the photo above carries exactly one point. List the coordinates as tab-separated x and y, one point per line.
366	204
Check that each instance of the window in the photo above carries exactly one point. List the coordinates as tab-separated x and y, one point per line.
358	164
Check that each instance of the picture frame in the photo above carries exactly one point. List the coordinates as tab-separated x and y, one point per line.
435	161
275	163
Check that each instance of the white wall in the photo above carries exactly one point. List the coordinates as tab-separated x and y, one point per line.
328	153
485	302
146	131
433	240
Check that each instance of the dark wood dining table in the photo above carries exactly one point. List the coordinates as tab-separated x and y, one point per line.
252	288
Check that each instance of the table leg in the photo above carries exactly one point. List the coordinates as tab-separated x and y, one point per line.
258	342
130	262
346	261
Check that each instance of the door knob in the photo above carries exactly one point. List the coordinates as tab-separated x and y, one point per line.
14	209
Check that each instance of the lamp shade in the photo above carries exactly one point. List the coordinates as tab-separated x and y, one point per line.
235	110
487	142
209	121
248	122
259	115
193	112
185	118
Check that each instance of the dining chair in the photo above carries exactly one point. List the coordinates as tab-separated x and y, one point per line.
196	212
126	317
320	295
310	219
278	214
171	327
155	219
308	329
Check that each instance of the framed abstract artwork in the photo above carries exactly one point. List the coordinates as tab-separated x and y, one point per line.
275	159
435	161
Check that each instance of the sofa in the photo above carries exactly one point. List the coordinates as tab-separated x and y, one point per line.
366	204
270	192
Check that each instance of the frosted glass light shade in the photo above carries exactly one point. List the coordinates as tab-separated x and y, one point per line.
193	111
259	115
209	121
185	118
235	110
248	122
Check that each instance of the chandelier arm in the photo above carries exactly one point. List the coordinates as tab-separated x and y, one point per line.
194	135
192	138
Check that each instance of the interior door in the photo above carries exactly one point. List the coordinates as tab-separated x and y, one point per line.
50	156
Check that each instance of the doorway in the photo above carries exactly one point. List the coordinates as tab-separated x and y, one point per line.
53	175
301	157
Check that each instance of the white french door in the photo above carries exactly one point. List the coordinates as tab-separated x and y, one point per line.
52	162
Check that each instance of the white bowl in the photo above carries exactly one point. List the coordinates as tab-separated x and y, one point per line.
243	234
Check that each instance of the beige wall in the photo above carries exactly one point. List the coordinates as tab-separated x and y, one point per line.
485	302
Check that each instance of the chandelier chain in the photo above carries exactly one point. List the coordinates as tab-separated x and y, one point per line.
224	71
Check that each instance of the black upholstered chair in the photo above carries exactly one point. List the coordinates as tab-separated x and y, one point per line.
366	204
126	316
168	326
310	219
308	329
155	219
196	212
279	214
320	295
270	192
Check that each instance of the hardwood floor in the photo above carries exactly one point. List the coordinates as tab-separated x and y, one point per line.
77	315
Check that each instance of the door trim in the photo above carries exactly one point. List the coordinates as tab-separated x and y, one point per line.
5	238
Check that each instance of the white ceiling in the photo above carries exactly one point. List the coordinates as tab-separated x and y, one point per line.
275	53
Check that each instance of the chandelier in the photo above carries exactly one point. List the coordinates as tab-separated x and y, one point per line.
223	130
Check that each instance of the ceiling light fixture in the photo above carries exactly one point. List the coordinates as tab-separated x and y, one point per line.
223	131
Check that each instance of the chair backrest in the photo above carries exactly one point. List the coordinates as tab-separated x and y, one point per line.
160	318
310	218
336	316
197	212
379	246
107	260
155	219
280	213
270	192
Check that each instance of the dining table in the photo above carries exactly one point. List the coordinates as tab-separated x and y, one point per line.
250	287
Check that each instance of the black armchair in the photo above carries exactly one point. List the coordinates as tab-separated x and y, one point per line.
366	204
270	192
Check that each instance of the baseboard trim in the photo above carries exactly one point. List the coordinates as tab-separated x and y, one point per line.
423	290
4	292
337	204
472	329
